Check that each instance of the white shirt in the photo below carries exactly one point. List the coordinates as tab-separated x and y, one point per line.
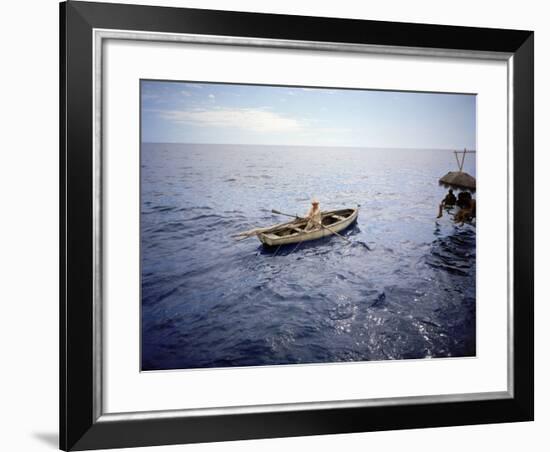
314	214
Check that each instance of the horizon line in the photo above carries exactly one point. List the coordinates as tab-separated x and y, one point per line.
312	146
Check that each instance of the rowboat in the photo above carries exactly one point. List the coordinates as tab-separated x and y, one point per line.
294	232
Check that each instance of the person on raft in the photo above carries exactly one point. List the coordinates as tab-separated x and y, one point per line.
313	216
448	201
467	206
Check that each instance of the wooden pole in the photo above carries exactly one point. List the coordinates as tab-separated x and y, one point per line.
456	157
460	163
463	157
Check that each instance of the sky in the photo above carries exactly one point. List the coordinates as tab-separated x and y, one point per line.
185	112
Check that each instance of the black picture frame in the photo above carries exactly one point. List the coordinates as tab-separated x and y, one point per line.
80	426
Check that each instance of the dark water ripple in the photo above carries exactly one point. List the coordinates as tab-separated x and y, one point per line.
404	288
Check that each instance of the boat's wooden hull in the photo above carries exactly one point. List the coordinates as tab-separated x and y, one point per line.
273	239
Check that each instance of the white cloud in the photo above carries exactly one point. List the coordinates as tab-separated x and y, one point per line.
186	93
252	119
211	96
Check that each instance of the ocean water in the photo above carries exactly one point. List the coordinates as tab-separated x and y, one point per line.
404	289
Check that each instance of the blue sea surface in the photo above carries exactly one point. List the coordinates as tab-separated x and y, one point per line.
405	287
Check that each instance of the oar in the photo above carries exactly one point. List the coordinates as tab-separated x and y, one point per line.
256	231
320	224
251	232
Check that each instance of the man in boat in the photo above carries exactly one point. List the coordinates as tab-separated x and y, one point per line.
467	206
313	216
448	201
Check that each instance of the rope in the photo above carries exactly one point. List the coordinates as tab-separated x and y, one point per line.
295	248
279	247
276	251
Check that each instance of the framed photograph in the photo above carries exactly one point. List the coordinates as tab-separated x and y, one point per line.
282	225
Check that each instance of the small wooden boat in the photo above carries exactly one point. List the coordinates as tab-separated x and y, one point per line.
294	232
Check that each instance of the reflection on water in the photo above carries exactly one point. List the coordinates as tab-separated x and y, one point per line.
404	288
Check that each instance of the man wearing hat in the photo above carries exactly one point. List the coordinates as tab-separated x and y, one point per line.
313	216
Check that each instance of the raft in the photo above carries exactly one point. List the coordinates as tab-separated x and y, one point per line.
294	232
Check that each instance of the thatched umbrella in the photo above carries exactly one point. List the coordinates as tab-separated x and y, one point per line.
459	179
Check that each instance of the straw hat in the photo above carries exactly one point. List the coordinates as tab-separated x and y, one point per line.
458	179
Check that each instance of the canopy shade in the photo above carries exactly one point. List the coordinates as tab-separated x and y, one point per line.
459	179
